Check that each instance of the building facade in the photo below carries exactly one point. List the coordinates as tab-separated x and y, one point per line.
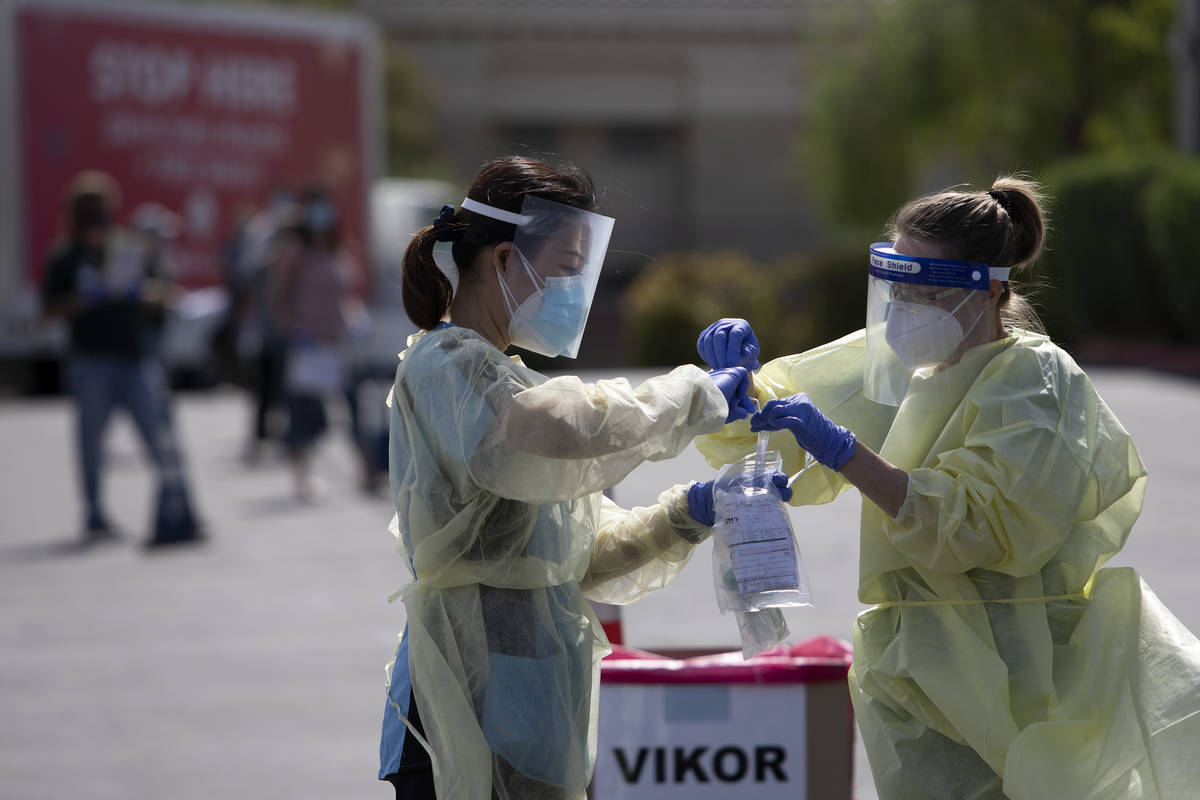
686	112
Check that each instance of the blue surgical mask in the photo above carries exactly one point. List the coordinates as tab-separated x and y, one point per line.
562	305
564	311
320	216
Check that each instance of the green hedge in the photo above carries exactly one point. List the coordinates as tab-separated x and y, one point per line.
793	303
1123	254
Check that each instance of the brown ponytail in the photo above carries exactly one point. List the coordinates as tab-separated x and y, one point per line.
425	290
1021	200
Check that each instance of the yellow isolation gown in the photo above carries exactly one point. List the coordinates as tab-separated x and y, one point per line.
497	474
998	659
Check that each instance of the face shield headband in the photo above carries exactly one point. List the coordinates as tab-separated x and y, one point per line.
912	315
889	265
551	278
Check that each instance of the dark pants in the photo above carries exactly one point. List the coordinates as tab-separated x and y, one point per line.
268	387
306	421
414	779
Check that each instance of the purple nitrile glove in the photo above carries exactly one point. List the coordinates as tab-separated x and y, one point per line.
729	342
700	498
829	443
734	383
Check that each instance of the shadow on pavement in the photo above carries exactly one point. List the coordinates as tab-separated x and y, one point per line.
44	551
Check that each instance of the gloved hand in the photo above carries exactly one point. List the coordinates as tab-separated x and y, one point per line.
700	502
734	383
729	342
829	443
700	498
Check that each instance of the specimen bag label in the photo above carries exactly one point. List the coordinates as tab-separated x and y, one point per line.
760	544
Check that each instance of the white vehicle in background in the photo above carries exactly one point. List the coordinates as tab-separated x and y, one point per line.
399	208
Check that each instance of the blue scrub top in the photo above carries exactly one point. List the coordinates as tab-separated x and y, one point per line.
391	740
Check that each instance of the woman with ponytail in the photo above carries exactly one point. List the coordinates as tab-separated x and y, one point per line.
997	660
498	475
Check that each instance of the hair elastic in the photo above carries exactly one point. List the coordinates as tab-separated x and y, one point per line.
445	227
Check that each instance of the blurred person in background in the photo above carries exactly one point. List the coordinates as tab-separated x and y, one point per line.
998	659
104	281
258	346
225	338
160	227
316	311
497	474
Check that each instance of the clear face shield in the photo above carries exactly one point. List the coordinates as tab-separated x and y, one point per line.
919	313
552	272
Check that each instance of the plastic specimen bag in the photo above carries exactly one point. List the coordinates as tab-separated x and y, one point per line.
757	565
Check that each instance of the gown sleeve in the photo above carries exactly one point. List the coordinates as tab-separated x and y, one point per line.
562	438
1042	459
641	549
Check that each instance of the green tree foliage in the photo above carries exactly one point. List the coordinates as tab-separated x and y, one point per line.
794	303
1122	262
408	119
976	87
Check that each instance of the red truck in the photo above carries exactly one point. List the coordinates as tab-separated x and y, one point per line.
196	111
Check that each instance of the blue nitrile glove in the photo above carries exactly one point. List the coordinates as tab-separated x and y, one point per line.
700	498
780	479
829	443
729	342
734	383
700	502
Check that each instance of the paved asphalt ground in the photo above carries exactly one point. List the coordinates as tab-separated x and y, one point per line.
252	666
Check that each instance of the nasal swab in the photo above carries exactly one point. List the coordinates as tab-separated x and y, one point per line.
760	455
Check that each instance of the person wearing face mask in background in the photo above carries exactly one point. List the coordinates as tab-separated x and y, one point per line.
498	474
108	286
315	308
998	659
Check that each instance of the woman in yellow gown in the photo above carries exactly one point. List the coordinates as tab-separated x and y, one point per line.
497	474
998	660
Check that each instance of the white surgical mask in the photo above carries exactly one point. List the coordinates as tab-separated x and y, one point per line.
921	334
